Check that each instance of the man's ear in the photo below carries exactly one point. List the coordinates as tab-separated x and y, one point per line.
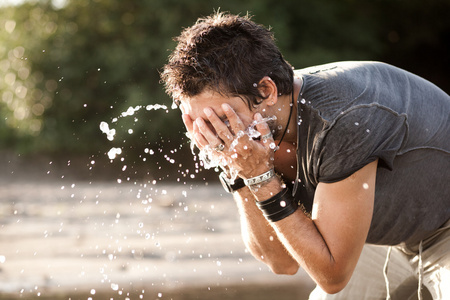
268	90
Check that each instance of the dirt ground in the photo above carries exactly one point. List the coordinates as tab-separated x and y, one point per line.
69	239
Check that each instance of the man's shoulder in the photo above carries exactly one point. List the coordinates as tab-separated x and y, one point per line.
343	65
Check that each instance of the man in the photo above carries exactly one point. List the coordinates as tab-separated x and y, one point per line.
362	148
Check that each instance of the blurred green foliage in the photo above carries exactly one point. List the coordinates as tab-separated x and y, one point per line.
64	70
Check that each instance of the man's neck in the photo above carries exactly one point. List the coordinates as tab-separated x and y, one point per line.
284	110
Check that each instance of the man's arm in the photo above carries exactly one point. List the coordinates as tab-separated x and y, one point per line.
260	237
329	244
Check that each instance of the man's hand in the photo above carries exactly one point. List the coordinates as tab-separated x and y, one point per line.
242	153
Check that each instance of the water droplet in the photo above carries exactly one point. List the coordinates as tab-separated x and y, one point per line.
113	152
110	133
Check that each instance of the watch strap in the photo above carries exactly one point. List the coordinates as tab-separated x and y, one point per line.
230	186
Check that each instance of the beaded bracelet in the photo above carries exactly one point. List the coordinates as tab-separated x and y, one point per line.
279	206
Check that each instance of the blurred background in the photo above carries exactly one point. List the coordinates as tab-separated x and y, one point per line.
66	66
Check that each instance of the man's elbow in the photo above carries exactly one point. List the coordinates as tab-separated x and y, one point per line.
334	285
285	269
332	288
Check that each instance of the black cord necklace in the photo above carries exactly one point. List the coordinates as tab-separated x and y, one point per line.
289	121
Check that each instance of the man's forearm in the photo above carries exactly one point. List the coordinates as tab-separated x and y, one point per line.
328	244
297	236
259	236
286	244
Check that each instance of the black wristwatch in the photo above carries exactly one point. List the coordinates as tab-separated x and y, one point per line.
228	186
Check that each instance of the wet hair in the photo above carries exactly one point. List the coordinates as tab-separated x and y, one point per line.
228	54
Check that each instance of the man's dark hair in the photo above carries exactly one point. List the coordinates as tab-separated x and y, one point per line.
228	54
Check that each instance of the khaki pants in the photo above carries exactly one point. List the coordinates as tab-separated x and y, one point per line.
368	280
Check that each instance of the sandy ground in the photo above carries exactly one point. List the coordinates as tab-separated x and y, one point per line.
62	239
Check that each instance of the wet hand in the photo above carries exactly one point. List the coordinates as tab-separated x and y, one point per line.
194	133
248	156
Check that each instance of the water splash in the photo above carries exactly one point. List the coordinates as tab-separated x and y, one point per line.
132	110
210	158
113	152
111	132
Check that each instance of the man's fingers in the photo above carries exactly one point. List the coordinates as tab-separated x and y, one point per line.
208	135
198	137
221	129
233	118
191	130
188	122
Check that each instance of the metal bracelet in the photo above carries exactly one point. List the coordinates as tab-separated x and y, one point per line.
261	178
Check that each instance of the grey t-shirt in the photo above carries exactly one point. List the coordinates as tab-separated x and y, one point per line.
353	113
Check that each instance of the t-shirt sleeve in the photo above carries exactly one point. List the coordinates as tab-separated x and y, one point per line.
358	137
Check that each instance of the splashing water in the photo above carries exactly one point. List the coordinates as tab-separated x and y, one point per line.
131	110
251	132
113	152
111	132
210	158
